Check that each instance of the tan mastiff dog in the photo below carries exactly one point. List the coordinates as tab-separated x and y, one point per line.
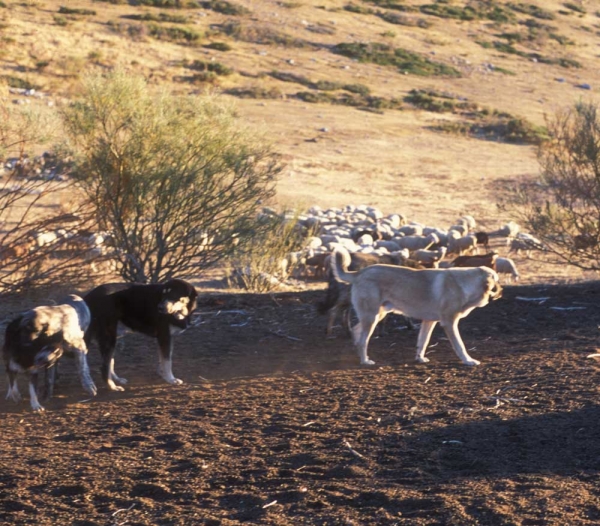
430	295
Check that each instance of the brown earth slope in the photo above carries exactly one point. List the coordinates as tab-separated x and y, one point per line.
277	425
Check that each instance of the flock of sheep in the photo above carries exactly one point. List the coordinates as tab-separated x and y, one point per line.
365	229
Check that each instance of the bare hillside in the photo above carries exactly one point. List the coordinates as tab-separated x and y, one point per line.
332	83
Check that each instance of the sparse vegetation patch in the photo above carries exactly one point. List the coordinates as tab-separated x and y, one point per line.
16	82
391	4
63	10
226	8
575	7
532	10
255	92
159	17
322	85
403	20
505	47
405	61
514	130
219	46
214	67
481	9
175	4
174	34
258	34
349	99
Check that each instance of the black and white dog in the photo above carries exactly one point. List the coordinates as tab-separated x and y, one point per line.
36	339
157	310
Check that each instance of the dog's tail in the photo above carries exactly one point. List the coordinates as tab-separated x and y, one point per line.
11	336
331	297
340	261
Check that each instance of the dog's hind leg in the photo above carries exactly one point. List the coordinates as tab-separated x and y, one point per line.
107	341
451	329
49	381
362	332
165	353
35	404
13	389
423	340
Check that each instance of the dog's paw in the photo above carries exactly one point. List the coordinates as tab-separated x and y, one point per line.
37	407
91	388
118	379
114	387
471	362
422	359
367	362
14	395
175	381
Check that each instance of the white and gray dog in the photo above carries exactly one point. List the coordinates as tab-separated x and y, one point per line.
35	340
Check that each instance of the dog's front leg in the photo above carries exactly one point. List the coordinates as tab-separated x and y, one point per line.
83	368
35	404
451	329
423	340
165	353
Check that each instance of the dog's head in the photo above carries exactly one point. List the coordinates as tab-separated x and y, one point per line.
47	356
178	302
493	289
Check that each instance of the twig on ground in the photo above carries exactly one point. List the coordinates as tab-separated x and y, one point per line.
123	509
353	451
502	399
277	333
272	503
539	300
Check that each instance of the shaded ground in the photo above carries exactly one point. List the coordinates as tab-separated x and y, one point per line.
277	425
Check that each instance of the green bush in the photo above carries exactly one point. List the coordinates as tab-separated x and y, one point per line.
575	7
75	11
265	35
60	20
159	17
215	67
359	9
219	46
532	10
255	92
405	61
226	8
17	82
174	34
258	266
177	4
176	179
392	4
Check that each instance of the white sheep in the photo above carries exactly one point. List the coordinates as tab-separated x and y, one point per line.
510	231
461	228
414	229
460	245
468	221
507	266
416	242
525	242
429	257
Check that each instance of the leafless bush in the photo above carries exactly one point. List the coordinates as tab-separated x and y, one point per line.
562	207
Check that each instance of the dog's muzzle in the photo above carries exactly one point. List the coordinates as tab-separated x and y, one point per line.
496	292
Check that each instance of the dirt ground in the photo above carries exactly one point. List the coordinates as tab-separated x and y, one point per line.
275	424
